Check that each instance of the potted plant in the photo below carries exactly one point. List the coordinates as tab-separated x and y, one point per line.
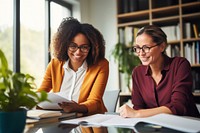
126	60
16	96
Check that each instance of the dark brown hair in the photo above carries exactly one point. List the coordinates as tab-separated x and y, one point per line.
67	30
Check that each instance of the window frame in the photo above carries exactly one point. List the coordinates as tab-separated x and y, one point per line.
16	30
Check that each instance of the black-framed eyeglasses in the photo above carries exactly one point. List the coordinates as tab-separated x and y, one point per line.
144	48
73	47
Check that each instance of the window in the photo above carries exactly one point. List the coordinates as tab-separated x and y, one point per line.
32	26
32	32
6	30
58	12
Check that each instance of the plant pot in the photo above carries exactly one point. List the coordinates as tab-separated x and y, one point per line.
13	122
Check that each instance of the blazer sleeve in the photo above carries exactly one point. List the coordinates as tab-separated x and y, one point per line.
93	87
53	76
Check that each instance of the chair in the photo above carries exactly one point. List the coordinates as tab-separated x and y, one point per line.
198	107
110	98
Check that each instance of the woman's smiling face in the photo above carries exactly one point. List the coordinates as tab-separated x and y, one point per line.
155	50
78	57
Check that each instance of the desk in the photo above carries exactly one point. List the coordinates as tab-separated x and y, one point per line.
67	128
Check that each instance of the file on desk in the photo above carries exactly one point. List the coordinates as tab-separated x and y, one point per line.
54	98
39	114
48	116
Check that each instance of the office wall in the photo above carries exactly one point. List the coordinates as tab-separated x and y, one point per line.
102	15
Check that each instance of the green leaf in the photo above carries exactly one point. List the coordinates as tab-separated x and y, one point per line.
16	89
126	60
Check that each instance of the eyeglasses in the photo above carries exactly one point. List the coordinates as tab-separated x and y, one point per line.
73	48
144	48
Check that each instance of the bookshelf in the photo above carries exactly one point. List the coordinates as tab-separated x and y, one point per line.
178	18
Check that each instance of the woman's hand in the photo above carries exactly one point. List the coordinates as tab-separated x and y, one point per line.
69	106
126	111
72	106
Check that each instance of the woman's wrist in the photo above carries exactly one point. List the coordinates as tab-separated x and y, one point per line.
82	109
137	113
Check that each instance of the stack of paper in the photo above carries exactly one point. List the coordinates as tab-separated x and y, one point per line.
39	114
48	116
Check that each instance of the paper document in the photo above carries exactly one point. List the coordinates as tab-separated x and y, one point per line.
36	116
55	98
169	121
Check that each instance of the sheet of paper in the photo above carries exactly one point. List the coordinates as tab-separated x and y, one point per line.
180	123
104	120
55	98
169	121
97	119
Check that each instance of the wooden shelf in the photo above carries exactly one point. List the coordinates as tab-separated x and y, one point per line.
134	14
196	94
138	23
173	20
195	65
174	8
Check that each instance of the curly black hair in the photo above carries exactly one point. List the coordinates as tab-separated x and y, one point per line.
67	30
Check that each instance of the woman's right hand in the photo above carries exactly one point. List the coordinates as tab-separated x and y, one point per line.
126	111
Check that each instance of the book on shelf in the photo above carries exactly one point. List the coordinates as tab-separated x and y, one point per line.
184	124
121	32
172	32
143	5
54	98
175	50
196	83
128	36
164	3
125	4
191	30
187	30
133	5
191	52
188	52
197	52
196	31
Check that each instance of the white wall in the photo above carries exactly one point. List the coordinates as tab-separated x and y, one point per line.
102	15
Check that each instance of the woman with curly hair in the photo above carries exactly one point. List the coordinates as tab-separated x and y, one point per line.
78	69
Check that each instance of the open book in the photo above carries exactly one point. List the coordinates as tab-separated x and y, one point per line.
169	121
54	98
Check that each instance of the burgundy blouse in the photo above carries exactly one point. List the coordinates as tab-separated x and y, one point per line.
173	91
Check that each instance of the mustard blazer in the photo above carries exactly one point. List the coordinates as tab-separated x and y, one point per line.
92	89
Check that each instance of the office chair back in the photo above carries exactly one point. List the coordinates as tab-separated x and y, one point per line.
110	99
